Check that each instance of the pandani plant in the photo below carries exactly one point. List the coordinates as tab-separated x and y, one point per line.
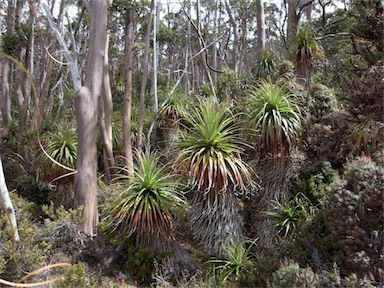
145	209
210	148
276	117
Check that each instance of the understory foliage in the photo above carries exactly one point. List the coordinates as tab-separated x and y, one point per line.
355	218
52	240
267	66
348	228
290	274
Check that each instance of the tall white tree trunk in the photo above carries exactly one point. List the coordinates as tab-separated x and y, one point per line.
86	114
186	78
156	22
144	79
105	118
260	18
127	146
7	205
6	65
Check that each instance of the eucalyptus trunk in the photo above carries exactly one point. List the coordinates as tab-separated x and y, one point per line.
5	96
21	83
144	79
86	113
293	21
127	146
45	75
260	18
186	78
6	202
105	118
235	47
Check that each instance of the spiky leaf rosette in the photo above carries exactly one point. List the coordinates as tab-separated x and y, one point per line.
267	66
145	208
210	152
62	148
276	117
305	48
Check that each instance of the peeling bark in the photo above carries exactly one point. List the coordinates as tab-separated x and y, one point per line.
7	205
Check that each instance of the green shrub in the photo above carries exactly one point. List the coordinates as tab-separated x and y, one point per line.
292	275
324	101
267	261
355	219
36	192
139	262
13	44
330	138
347	229
313	179
77	277
230	86
61	230
52	240
32	251
3	262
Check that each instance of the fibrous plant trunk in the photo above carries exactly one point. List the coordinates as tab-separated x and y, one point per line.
275	172
217	217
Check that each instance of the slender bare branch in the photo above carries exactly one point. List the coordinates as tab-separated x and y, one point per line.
70	60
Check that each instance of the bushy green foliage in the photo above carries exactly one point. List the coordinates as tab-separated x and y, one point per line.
32	251
205	90
287	216
354	217
323	101
61	230
330	139
54	239
313	180
230	86
13	44
11	137
25	185
292	275
139	262
267	261
77	277
348	226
